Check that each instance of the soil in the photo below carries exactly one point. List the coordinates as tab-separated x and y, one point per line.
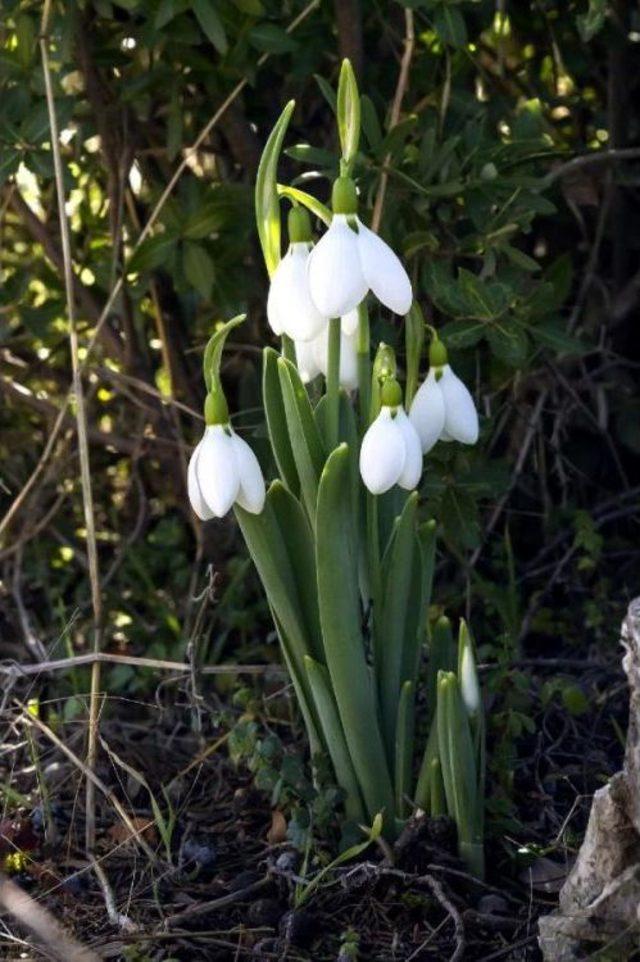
227	884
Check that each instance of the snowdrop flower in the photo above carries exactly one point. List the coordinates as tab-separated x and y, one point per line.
223	469
306	359
443	409
390	452
290	309
467	672
350	259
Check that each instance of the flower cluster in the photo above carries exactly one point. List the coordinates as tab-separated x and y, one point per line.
311	286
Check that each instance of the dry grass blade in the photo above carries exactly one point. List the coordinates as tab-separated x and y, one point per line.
42	924
134	831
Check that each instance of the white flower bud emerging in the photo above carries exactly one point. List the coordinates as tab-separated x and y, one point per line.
468	676
223	470
390	452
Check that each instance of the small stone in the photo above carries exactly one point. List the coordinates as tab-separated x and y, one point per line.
493	905
297	927
265	912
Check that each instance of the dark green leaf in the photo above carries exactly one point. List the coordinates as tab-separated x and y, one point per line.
270	38
198	267
449	24
211	24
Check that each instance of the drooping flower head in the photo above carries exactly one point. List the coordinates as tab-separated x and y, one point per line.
223	470
443	409
290	309
390	452
350	260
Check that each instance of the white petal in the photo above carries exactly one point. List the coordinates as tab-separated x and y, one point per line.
297	313
427	412
384	272
251	493
410	475
336	280
195	495
348	358
276	287
350	323
461	417
306	359
217	471
469	687
383	453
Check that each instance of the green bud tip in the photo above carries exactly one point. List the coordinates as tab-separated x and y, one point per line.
438	356
391	393
299	224
215	409
443	622
344	197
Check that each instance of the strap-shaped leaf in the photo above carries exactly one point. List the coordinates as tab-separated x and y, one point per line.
424	787
335	741
414	343
348	111
297	536
313	205
273	559
397	582
421	588
404	747
442	657
459	774
306	445
277	422
304	695
266	195
347	432
340	616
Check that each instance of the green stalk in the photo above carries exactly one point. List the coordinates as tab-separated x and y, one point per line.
333	383
288	348
364	367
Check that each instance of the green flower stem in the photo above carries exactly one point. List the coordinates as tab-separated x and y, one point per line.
333	383
364	367
288	348
373	553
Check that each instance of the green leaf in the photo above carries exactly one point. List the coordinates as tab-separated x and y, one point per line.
269	38
327	710
341	620
414	342
370	123
266	196
306	444
592	22
553	334
442	657
449	24
153	252
459	515
307	200
509	342
462	333
199	268
211	24
484	300
348	112
404	747
254	8
165	13
26	39
277	422
519	258
392	618
327	91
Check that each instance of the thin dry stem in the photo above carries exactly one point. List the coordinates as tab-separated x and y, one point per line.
81	421
401	88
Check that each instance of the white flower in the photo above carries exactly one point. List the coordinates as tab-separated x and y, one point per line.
348	357
461	417
290	309
347	261
223	470
350	322
443	410
306	359
390	452
427	412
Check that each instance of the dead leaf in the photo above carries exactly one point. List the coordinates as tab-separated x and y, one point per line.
278	831
121	833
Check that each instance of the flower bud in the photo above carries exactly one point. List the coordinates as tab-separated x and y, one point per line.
344	197
299	224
